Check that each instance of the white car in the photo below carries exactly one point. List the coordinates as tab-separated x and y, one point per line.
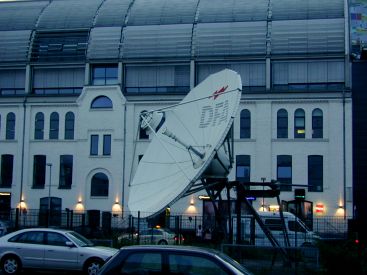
51	249
154	236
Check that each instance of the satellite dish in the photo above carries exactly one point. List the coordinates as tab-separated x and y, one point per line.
186	138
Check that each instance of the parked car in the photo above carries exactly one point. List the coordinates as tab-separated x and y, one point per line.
152	259
297	231
51	249
153	236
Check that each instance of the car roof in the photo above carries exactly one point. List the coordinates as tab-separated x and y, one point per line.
41	229
175	248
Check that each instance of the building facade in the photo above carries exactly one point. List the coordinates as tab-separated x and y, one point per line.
75	75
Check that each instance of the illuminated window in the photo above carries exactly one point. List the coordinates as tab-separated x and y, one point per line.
299	123
317	123
282	124
245	124
284	172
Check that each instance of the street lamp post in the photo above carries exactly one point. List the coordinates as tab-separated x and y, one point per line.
49	196
263	201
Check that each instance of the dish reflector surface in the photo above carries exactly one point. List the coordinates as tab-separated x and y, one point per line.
185	143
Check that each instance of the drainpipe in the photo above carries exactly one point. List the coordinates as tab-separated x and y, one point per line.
124	162
344	162
23	145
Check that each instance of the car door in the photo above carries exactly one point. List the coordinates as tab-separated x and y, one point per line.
30	247
147	262
57	254
188	263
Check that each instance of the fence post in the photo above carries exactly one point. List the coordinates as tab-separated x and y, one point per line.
17	218
67	218
71	218
138	238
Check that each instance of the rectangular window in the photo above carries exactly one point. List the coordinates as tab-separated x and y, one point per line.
243	168
6	170
94	145
58	81
106	145
284	172
105	75
39	171
66	171
158	79
315	173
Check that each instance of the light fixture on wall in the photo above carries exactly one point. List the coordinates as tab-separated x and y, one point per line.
79	208
22	206
116	209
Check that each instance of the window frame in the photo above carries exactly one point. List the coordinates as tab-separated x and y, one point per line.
299	123
54	126
101	102
243	161
66	174
7	168
282	118
10	126
39	172
314	175
104	79
39	126
282	161
94	140
317	123
96	188
107	145
245	124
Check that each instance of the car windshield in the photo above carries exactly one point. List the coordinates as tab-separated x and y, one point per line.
234	263
79	239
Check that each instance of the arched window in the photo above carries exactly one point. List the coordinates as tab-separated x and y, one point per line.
101	102
317	124
99	185
282	124
69	125
245	124
299	123
10	126
39	124
54	126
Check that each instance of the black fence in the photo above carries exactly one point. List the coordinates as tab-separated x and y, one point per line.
111	229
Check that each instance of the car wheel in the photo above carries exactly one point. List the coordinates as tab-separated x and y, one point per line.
162	242
93	266
11	265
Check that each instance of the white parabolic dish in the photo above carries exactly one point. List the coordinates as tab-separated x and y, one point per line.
201	120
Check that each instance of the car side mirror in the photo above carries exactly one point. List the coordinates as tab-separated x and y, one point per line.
69	244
